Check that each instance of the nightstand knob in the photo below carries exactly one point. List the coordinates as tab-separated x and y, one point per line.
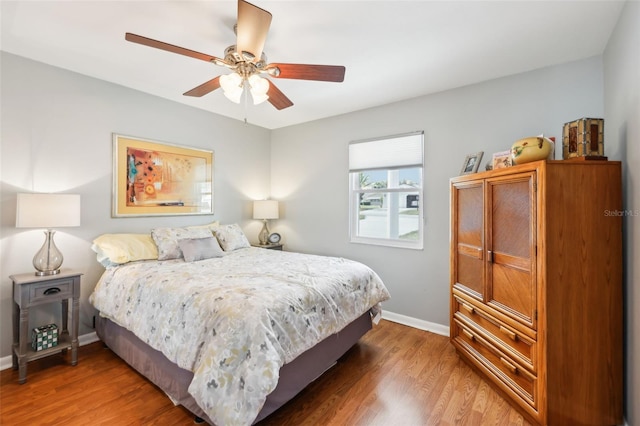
52	290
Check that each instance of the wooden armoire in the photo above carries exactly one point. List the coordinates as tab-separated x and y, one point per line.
536	286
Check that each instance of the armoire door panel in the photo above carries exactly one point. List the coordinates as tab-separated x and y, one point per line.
469	245
511	293
523	263
469	215
511	280
511	217
469	276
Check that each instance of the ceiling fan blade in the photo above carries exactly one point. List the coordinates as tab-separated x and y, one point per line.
277	98
253	26
168	47
334	73
204	88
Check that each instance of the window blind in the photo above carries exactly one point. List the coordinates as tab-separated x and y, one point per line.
389	153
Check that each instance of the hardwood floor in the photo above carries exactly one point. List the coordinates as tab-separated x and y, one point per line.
394	375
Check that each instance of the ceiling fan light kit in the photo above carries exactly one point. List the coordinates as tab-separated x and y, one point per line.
248	62
233	86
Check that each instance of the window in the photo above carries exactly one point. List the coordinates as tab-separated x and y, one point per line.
385	191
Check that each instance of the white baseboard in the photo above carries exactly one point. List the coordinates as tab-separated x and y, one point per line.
85	339
416	323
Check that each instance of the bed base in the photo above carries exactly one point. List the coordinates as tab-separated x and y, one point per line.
174	381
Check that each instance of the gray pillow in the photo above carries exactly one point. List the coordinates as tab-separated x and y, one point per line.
195	249
166	240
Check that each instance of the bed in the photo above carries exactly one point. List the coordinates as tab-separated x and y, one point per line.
234	336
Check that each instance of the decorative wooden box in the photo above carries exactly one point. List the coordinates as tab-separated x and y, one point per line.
583	138
44	337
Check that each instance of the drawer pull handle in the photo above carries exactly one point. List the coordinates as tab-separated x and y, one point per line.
510	367
468	334
513	336
467	308
52	290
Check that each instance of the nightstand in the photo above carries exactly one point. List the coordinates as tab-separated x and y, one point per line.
30	290
269	246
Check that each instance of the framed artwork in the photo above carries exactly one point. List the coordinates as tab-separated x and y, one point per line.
471	163
158	179
502	159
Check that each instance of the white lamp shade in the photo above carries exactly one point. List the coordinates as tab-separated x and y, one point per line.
232	86
258	84
259	98
265	209
230	82
47	210
234	96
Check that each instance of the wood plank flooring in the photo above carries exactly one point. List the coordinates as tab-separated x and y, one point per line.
395	375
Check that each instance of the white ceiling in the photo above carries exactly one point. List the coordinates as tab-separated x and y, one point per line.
392	50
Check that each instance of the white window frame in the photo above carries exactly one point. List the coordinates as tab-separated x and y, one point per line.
393	167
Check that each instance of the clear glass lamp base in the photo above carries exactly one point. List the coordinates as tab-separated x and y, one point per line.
263	236
48	259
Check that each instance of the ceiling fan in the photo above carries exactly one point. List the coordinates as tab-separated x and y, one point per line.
248	62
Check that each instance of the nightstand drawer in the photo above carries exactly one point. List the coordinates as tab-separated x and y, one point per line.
47	291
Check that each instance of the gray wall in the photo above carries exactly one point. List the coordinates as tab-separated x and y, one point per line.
57	137
309	168
622	130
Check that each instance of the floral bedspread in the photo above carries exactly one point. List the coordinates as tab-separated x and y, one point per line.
235	320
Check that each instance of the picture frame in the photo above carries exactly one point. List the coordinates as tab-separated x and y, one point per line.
152	178
471	163
502	160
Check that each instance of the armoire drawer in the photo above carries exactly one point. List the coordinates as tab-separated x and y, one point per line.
506	338
498	364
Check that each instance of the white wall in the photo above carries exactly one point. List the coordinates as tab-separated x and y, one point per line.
309	168
57	137
622	129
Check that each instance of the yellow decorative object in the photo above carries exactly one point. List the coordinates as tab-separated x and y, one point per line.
531	149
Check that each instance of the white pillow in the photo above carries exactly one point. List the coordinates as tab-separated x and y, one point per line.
123	248
195	249
231	237
211	226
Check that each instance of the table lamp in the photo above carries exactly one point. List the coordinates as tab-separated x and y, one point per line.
265	210
47	211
